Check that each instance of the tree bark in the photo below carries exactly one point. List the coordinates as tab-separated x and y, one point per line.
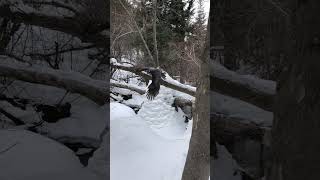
296	130
197	165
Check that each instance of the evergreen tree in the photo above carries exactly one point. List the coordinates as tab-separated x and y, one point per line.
173	25
201	17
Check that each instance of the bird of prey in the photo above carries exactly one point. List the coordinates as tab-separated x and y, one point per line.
157	75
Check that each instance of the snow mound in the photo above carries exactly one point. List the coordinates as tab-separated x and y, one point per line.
50	160
85	124
118	111
140	152
152	144
99	162
163	118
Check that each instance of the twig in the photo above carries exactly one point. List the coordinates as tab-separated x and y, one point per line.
139	31
279	8
16	120
8	148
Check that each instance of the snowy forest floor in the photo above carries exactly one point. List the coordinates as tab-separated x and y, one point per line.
150	139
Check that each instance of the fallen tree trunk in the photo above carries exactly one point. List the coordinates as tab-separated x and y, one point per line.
96	90
70	25
224	127
253	90
127	86
170	84
256	91
245	140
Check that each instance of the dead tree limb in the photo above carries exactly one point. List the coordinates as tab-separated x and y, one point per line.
137	70
69	25
16	120
12	101
224	127
96	90
236	134
127	86
138	29
256	91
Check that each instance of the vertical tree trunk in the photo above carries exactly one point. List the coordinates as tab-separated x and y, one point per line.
156	55
182	64
296	130
198	160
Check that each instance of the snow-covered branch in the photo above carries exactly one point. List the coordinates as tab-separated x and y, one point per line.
238	134
52	3
256	91
168	82
226	127
70	25
128	86
96	90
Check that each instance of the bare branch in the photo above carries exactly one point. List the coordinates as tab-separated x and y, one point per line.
16	120
277	6
120	36
138	29
62	51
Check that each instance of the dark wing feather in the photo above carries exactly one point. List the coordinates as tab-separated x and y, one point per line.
153	90
154	87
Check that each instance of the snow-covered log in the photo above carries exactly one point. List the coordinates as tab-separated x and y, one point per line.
236	108
128	86
239	134
256	91
170	83
72	25
96	90
225	127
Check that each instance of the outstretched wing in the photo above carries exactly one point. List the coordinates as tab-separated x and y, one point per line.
154	87
153	91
